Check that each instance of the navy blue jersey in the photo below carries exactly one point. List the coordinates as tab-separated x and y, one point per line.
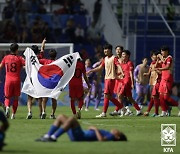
77	134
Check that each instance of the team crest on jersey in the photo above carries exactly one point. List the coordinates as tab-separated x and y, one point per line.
49	75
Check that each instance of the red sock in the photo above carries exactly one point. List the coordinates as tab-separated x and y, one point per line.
15	105
170	100
136	106
7	102
156	105
73	108
163	103
80	103
106	104
117	103
150	105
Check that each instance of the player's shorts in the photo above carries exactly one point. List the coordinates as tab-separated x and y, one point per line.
155	89
141	89
117	82
12	88
109	86
165	86
76	134
124	89
76	91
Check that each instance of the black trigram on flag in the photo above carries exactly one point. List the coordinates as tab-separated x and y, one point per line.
69	60
33	60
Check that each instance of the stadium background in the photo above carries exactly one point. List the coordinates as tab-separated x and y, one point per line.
138	25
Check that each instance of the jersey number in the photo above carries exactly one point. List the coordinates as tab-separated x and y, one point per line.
12	67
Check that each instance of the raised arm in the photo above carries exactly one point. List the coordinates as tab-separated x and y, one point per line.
43	45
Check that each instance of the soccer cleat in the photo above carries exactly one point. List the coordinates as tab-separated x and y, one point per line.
96	109
138	113
128	113
78	114
43	116
146	113
29	116
13	116
163	114
114	113
7	112
102	115
45	139
179	114
86	109
52	116
154	115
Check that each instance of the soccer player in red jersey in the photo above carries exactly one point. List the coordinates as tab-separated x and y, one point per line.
126	84
110	75
166	81
154	82
52	55
12	89
30	98
76	91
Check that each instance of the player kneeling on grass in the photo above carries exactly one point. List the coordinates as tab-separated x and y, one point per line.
3	127
70	125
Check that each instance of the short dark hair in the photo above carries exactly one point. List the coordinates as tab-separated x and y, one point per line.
119	46
14	47
127	52
108	46
35	49
165	48
52	53
154	52
122	137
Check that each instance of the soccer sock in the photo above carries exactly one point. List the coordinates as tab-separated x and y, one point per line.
59	132
52	129
117	103
150	105
87	100
170	100
156	105
106	104
162	103
15	105
136	106
80	104
97	101
7	102
73	108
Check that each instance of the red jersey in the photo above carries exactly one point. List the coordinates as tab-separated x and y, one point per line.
167	74
77	78
13	65
45	61
127	67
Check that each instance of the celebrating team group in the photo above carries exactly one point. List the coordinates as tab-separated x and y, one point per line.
119	80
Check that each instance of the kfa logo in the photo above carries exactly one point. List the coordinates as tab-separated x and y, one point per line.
168	137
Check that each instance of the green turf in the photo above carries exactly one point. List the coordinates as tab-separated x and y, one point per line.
143	134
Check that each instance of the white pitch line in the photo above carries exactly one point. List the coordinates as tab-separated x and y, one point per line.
88	123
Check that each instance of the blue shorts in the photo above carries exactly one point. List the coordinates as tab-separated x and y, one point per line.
76	134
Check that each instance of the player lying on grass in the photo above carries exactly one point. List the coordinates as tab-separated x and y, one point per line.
3	127
70	125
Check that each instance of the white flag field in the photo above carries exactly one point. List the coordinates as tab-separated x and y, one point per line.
48	80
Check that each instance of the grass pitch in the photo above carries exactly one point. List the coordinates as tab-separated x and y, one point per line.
143	134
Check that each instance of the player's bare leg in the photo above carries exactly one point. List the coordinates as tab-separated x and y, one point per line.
44	102
54	106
